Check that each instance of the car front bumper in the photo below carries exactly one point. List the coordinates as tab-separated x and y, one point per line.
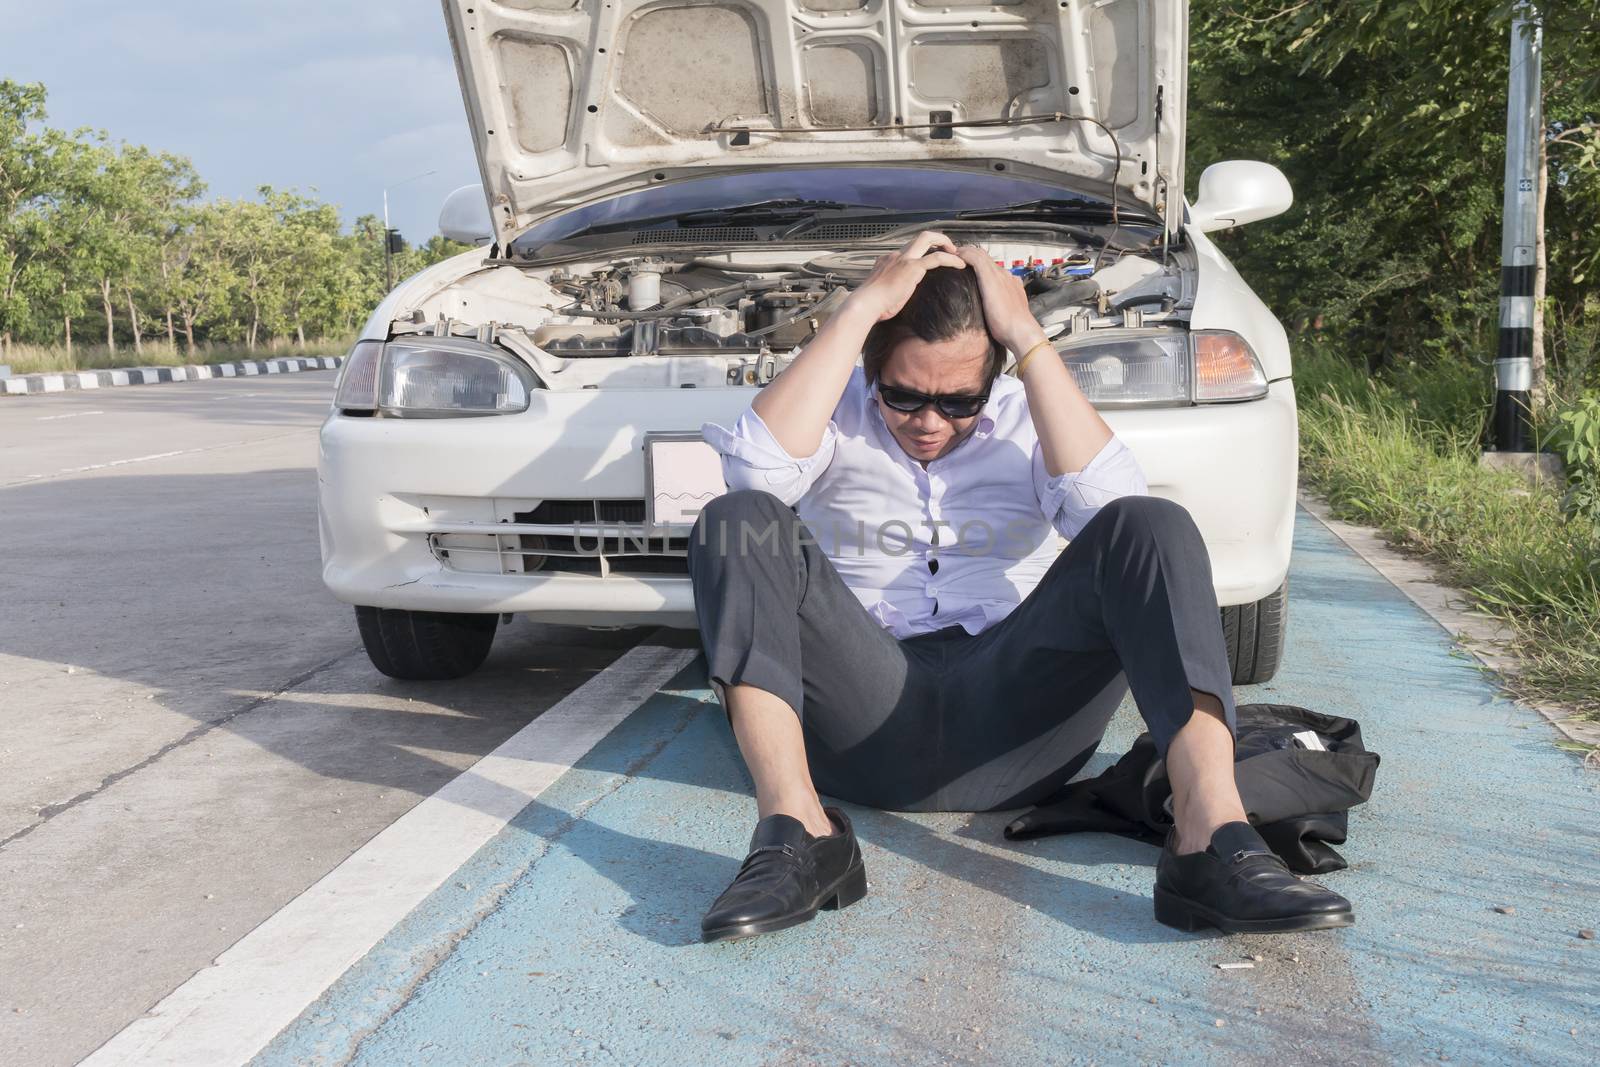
390	489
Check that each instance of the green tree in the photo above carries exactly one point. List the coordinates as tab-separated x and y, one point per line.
1389	119
27	177
68	222
439	247
143	192
244	231
307	260
199	276
364	249
88	221
112	195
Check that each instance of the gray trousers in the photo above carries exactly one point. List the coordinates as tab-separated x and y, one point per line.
951	721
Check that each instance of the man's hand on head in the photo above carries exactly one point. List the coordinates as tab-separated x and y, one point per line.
797	405
895	276
1005	302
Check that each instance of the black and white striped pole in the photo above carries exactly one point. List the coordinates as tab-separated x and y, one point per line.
1512	431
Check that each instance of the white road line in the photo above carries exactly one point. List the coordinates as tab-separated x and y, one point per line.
145	459
68	415
230	1011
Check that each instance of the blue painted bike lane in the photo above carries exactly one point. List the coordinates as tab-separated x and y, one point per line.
573	936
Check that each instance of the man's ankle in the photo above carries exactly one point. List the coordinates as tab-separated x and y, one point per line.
810	815
1192	841
1195	832
818	824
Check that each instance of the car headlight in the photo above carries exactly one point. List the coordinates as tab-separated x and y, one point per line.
1163	368
432	377
1150	368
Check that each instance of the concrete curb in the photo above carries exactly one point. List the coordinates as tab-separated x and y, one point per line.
1480	635
23	384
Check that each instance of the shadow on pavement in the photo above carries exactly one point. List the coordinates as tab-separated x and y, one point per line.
671	885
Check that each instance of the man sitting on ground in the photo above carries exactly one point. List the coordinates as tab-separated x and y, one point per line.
911	639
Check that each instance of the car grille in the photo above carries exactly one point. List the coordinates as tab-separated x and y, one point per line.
567	512
595	537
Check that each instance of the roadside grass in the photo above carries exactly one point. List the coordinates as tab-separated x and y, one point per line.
53	359
1401	454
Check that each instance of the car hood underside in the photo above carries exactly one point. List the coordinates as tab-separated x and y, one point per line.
571	102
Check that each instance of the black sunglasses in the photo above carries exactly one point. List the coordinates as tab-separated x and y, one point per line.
951	407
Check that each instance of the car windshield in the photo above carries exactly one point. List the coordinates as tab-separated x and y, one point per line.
888	190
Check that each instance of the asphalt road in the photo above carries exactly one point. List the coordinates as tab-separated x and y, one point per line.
190	734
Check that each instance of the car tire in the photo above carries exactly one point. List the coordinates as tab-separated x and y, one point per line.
1254	633
425	645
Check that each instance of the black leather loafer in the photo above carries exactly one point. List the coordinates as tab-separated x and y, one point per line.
1239	885
787	877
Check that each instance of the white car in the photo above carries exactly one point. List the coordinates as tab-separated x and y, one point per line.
679	192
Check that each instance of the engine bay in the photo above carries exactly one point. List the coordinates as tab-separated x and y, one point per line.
659	307
734	319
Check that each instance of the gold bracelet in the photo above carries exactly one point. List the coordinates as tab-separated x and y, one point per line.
1023	362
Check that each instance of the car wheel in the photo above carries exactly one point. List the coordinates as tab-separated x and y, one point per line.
1255	636
425	645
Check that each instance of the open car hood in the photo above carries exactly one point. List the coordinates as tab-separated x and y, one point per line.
572	101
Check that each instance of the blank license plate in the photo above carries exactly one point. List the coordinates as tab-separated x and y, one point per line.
682	475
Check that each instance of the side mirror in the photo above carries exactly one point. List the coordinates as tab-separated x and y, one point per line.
1238	191
465	216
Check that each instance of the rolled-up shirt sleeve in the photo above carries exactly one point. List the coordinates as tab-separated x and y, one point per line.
752	458
1070	500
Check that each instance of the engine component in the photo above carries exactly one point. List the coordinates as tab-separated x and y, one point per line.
721	321
552	334
1126	274
1155	289
1130	282
603	293
644	289
781	316
756	370
851	268
1048	293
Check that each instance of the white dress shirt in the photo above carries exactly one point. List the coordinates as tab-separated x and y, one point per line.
958	542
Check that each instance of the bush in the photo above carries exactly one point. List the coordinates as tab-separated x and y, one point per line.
1386	458
1577	439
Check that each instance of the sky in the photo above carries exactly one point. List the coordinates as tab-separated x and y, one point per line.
339	98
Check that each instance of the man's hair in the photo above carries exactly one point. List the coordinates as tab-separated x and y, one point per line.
945	304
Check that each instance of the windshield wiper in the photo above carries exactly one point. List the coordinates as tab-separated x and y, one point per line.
766	211
1076	210
769	210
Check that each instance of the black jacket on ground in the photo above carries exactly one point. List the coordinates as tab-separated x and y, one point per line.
1296	795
